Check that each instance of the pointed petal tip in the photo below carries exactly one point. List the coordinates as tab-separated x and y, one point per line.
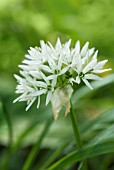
108	69
84	49
69	40
78	42
77	46
47	102
27	108
55	116
31	48
48	97
87	83
16	100
15	75
86	44
91	88
58	40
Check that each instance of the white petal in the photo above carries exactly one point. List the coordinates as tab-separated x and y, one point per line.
36	74
79	63
20	79
92	77
40	84
100	65
74	58
50	77
71	80
45	78
26	75
28	98
58	44
43	46
46	68
87	83
38	93
33	52
52	48
22	96
23	73
90	66
60	62
30	89
33	49
91	51
27	56
54	81
48	97
85	59
95	55
67	44
68	56
77	47
17	99
84	49
101	71
24	67
64	70
38	104
78	80
52	63
30	104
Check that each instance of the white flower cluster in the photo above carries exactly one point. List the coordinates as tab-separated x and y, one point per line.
46	68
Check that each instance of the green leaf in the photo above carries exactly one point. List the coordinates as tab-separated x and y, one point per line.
83	154
50	157
36	147
100	129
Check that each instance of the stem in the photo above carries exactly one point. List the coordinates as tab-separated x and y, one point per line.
75	128
76	133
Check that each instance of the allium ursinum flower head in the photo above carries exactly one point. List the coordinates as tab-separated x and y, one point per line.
46	69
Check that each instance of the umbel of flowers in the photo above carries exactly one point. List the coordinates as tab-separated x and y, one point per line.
48	68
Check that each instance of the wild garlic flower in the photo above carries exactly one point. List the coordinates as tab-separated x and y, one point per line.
48	68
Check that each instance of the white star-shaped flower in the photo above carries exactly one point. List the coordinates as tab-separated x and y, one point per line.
48	68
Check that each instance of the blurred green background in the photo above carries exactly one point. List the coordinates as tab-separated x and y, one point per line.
23	23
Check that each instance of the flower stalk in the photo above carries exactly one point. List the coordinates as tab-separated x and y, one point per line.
77	134
75	127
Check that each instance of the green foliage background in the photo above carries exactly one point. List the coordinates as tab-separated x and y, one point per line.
23	23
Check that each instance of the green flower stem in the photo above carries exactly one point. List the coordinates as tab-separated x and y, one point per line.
76	133
75	128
